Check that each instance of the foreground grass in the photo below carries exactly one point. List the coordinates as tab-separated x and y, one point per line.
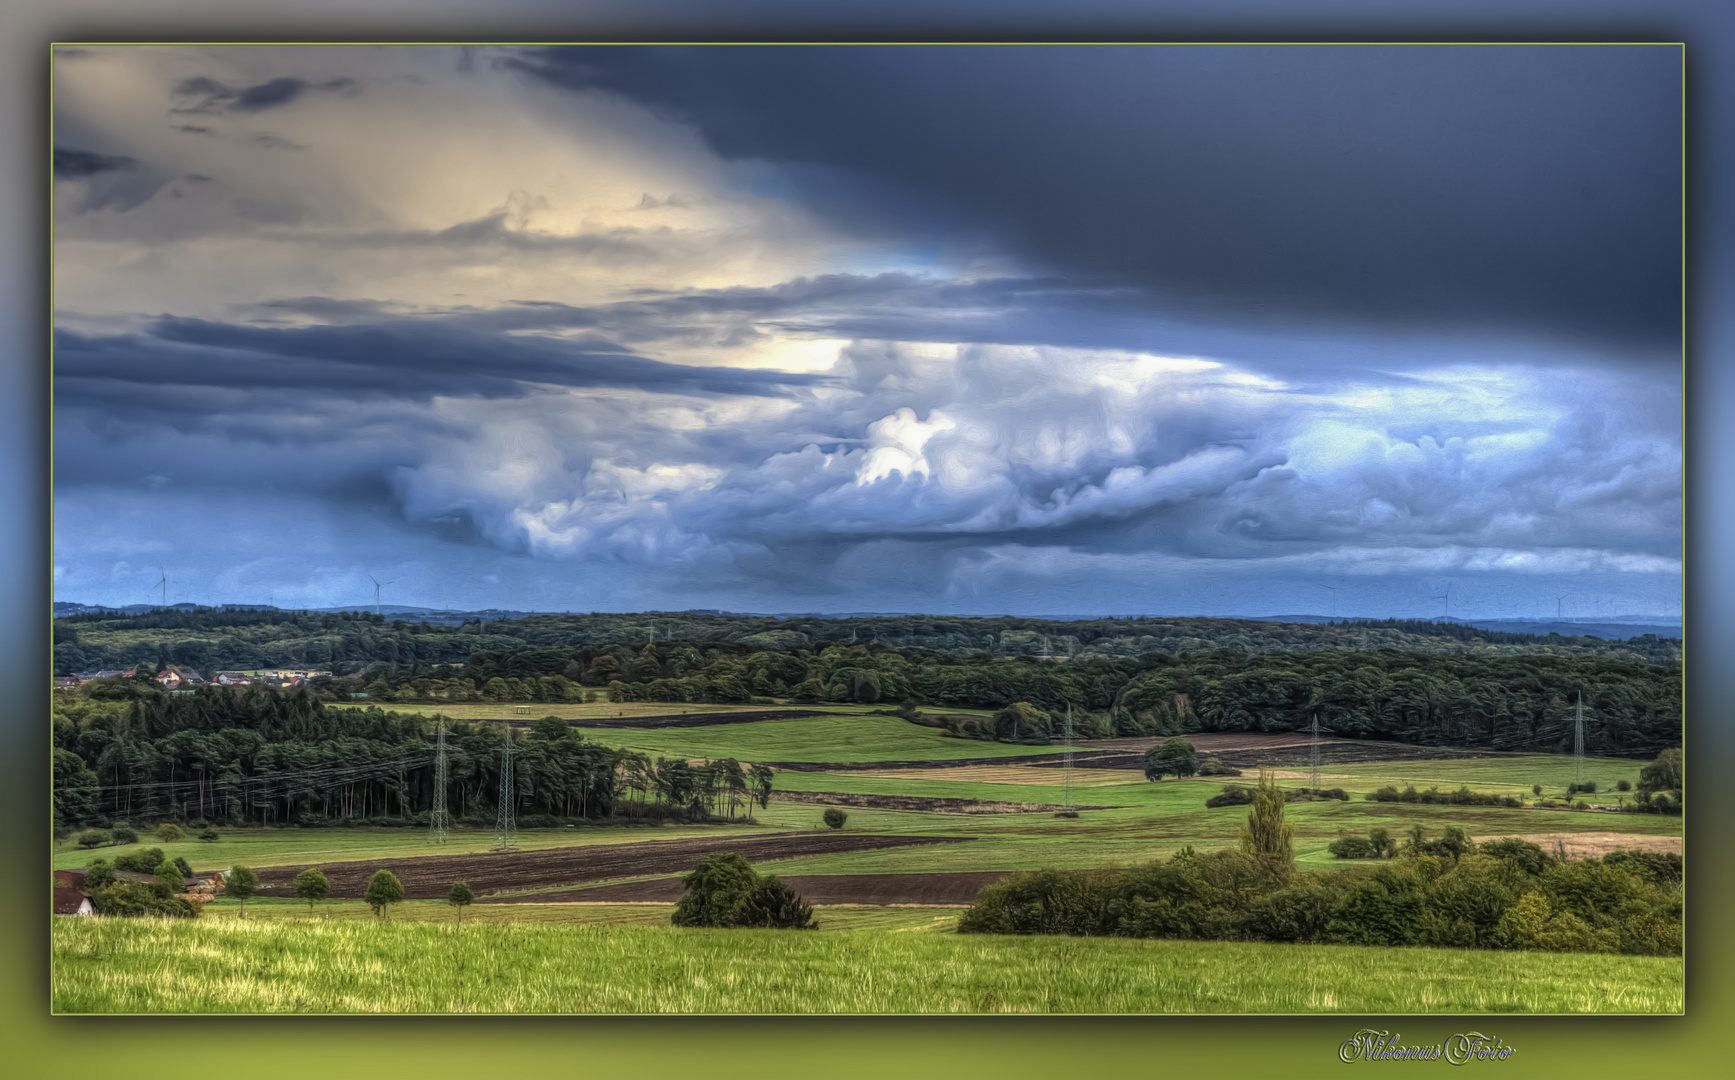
166	966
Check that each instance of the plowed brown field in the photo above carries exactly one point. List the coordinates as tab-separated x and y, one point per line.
960	888
431	877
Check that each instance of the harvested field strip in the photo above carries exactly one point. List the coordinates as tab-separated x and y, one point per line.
922	802
818	889
432	877
160	966
1598	844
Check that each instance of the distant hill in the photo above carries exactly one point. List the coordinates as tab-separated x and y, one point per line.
1619	629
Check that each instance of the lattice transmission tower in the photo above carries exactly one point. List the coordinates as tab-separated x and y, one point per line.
1314	755
439	819
1066	767
506	816
1578	741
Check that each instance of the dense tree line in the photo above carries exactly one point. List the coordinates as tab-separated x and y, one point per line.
350	642
268	757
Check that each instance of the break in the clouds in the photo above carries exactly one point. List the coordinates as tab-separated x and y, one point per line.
1061	331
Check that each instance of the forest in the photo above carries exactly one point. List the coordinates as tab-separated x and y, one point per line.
348	643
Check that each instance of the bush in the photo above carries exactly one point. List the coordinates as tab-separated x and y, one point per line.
724	891
1658	868
1351	847
1231	795
124	835
1038	902
1523	853
834	818
169	831
144	861
134	899
1214	767
210	835
93	838
1623	785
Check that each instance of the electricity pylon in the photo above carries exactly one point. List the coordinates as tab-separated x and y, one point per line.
1578	742
506	816
1315	755
439	819
1066	766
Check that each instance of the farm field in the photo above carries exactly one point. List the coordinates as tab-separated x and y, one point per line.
350	966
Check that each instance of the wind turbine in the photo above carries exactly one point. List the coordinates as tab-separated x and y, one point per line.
1447	598
1557	603
377	584
165	584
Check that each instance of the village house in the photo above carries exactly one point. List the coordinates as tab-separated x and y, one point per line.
69	897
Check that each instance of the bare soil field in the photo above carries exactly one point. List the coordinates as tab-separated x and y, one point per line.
431	877
1597	844
924	803
876	889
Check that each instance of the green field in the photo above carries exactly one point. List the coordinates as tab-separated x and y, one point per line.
565	913
230	966
821	739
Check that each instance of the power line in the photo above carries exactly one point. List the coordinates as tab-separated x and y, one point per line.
505	817
438	817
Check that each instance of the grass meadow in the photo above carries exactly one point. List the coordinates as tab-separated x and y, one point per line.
355	966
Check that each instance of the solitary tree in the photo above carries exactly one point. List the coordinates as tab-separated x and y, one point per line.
460	897
383	891
312	886
1265	835
762	788
92	838
241	883
1667	773
1176	757
835	818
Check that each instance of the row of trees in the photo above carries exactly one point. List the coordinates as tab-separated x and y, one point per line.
348	642
269	758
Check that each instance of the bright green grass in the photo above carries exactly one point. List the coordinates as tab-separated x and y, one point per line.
488	710
287	847
817	738
1507	774
208	966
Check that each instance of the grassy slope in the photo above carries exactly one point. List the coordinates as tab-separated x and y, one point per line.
171	966
815	739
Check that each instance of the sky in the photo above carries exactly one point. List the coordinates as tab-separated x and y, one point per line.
1373	331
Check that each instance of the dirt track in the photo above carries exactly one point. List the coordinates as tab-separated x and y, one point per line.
960	888
923	802
431	877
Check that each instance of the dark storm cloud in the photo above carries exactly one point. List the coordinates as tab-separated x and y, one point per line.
1531	189
201	94
73	164
406	359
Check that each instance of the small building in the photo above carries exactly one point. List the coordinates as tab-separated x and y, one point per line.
69	896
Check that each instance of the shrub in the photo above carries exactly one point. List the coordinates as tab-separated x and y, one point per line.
144	861
1038	902
1351	847
134	899
1536	789
169	831
1231	795
724	891
93	838
1214	767
1623	785
124	835
1526	855
1658	868
834	818
210	835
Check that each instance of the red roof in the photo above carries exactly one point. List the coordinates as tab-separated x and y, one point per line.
68	901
